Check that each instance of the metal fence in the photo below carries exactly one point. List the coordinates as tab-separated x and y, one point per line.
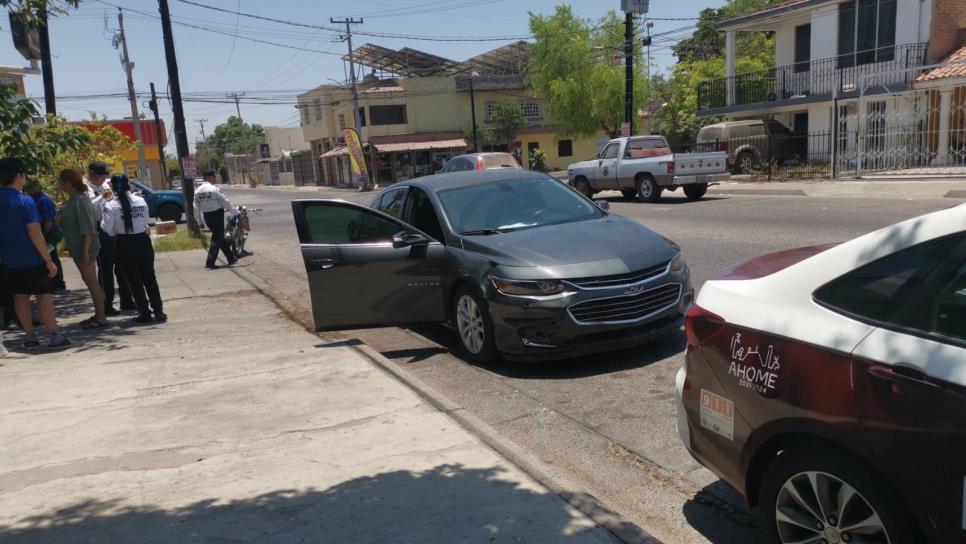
774	157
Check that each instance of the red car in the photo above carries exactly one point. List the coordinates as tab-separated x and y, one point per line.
827	385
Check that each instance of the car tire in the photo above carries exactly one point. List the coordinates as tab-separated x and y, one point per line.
745	162
795	472
474	327
695	191
583	187
629	193
647	189
170	212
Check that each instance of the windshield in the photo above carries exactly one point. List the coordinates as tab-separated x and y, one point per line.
514	204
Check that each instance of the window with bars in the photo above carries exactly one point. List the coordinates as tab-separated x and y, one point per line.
531	110
341	121
318	109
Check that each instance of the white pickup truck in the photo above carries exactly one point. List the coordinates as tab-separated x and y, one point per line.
643	167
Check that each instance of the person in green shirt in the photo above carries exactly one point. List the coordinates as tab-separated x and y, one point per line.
79	223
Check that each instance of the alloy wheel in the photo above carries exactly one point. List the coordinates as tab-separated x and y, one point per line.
820	508
647	187
469	322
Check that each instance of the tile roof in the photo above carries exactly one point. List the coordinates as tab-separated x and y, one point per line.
947	72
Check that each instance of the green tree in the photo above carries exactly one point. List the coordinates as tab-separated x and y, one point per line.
30	9
43	148
507	120
576	70
233	136
701	58
484	136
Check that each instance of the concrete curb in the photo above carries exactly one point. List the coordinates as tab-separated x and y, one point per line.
766	192
620	527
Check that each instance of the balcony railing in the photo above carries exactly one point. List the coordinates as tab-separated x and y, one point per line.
885	66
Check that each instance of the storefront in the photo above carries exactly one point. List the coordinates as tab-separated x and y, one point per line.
406	156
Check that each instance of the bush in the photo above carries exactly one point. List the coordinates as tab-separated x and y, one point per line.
538	160
180	241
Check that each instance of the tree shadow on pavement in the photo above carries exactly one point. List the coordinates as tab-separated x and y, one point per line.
449	503
719	514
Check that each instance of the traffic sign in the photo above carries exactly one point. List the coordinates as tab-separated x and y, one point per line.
625	129
190	167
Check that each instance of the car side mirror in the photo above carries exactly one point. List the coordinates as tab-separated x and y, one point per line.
408	239
603	204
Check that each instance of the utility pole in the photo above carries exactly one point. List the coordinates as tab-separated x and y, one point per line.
180	131
120	40
204	139
236	97
50	102
348	22
476	147
153	105
629	71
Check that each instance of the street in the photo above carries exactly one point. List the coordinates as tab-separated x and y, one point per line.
605	423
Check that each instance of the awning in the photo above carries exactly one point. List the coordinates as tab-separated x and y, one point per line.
456	143
337	152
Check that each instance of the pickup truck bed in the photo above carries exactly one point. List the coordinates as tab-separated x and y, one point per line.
643	167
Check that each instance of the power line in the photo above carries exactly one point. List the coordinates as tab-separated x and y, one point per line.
362	33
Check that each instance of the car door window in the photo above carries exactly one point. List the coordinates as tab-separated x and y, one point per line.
422	215
874	291
391	203
348	225
941	309
611	151
455	165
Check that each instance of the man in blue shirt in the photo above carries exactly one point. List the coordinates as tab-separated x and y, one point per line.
30	270
48	224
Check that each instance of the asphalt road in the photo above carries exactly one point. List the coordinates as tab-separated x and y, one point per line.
603	423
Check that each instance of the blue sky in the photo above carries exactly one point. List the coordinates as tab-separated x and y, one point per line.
85	62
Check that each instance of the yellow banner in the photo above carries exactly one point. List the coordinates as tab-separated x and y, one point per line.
356	156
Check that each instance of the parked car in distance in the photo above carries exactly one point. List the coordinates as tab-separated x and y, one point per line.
747	143
828	385
643	167
521	265
164	205
480	161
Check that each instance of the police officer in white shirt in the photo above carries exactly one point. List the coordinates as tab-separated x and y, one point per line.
126	219
210	207
99	191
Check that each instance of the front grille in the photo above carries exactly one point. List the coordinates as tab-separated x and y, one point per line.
626	307
621	279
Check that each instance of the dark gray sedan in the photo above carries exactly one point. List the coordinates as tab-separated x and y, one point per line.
520	264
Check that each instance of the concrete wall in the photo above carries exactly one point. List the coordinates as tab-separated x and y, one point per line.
583	149
825	24
280	139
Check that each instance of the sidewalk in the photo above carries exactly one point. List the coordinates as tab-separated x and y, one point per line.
896	188
230	423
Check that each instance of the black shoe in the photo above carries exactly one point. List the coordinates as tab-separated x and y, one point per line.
160	317
211	266
232	262
60	344
31	343
128	307
144	318
111	311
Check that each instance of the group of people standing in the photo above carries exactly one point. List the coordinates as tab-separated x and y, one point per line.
104	228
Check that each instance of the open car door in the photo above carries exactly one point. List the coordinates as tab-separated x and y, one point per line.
367	269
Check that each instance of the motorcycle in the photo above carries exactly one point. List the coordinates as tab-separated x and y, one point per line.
237	227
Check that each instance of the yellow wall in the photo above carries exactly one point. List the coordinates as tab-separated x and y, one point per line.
583	148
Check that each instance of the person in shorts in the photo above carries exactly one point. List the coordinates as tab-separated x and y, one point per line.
30	270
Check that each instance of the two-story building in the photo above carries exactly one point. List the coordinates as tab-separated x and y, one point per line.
416	111
872	75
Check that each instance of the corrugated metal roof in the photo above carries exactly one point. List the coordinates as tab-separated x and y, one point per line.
458	143
947	72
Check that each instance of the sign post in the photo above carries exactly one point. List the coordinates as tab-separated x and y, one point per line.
190	169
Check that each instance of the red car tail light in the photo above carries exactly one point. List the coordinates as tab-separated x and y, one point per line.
699	324
670	167
479	163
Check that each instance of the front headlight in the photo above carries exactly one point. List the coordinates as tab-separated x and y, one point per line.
677	263
530	288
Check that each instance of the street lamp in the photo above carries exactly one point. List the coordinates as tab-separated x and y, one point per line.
474	75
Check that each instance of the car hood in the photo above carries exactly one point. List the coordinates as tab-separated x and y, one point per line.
606	246
583	164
